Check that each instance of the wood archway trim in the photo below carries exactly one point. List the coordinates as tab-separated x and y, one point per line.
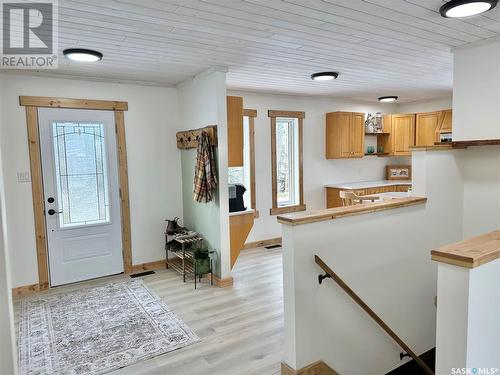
32	103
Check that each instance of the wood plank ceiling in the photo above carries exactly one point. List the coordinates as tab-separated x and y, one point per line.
380	47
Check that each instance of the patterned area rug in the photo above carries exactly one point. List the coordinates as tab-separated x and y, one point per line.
97	330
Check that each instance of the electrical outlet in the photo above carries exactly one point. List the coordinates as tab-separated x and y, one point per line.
23	177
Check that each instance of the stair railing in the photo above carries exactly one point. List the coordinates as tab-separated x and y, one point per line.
332	275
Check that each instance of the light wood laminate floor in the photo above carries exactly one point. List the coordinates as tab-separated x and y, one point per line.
241	328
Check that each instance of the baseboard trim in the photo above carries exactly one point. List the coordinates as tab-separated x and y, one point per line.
25	290
269	242
149	266
223	283
316	368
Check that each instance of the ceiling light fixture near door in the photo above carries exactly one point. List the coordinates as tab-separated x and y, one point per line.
388	99
324	76
466	8
82	55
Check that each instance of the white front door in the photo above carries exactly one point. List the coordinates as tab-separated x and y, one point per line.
81	189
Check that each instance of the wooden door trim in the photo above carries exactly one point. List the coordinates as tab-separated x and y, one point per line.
251	114
32	103
38	198
53	102
124	191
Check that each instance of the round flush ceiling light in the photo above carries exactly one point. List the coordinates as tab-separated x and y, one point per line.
466	8
388	99
83	55
324	76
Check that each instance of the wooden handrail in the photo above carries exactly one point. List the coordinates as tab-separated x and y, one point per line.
369	311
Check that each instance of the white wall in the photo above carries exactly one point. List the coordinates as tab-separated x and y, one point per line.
389	266
202	102
318	171
7	348
480	167
476	91
476	105
425	106
153	163
468	324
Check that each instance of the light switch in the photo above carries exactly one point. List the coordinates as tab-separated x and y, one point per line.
23	177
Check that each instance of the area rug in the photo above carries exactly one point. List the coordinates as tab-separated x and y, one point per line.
97	330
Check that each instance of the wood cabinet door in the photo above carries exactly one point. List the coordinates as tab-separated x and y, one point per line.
338	126
330	137
426	128
446	121
357	135
333	198
344	120
235	131
403	133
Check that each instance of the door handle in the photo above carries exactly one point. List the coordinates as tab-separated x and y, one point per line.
53	212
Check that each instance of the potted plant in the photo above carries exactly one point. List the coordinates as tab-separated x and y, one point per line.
201	257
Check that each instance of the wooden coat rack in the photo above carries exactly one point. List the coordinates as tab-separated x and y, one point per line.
189	138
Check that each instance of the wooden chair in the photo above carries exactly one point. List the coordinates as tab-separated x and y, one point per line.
349	198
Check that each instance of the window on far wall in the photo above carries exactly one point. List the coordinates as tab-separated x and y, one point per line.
286	133
287	166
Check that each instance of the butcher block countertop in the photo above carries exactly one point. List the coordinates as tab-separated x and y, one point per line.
368	184
470	253
308	217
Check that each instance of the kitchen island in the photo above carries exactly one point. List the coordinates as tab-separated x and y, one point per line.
363	188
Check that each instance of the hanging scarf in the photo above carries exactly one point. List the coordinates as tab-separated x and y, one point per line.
205	178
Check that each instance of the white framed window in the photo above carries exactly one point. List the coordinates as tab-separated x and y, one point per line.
287	168
287	163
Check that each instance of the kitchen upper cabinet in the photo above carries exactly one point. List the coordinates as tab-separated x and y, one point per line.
235	131
345	136
445	121
402	134
427	125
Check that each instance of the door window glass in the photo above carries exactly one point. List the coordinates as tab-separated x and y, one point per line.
81	173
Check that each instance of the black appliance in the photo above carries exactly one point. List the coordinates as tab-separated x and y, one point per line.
236	203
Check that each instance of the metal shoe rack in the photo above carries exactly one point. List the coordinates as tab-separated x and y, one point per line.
183	261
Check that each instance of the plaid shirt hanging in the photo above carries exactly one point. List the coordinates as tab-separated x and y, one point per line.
205	175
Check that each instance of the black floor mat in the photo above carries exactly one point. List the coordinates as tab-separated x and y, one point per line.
272	246
142	274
